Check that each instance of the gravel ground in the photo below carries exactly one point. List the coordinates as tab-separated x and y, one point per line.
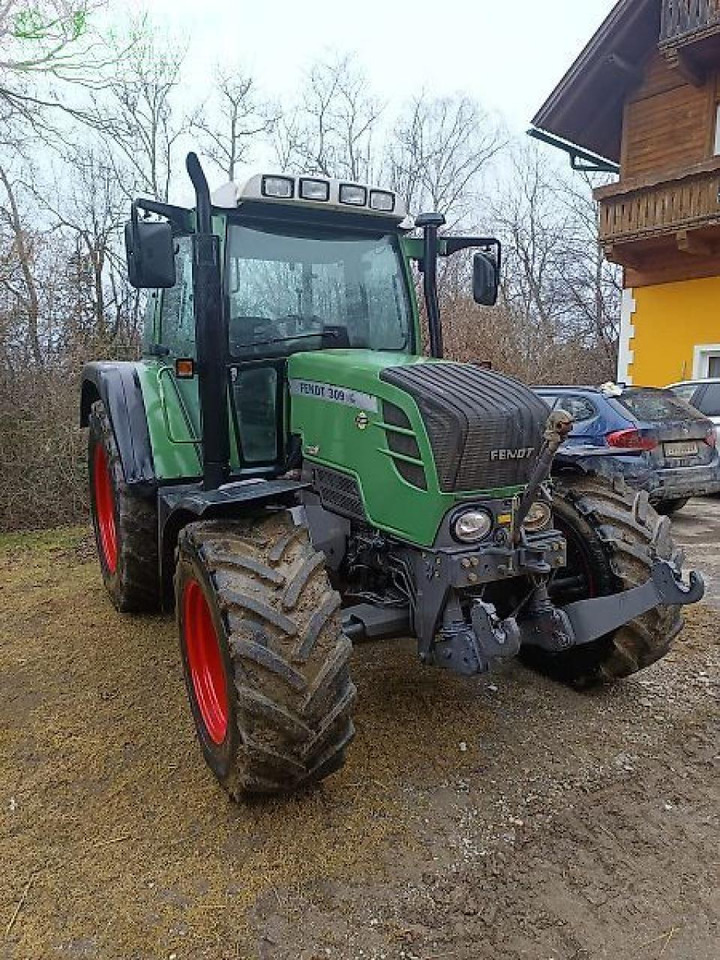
502	817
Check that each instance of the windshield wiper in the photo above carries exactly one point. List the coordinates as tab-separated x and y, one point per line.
297	336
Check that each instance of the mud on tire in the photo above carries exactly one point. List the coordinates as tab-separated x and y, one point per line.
285	659
613	536
130	571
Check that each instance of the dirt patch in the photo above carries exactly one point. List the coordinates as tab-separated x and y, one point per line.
501	817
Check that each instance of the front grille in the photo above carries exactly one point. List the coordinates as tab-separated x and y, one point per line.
339	492
473	417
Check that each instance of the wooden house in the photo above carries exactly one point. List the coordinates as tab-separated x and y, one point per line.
645	96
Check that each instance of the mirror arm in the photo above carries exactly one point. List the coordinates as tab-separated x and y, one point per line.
178	216
450	245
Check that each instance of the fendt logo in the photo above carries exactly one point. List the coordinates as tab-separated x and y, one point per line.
524	453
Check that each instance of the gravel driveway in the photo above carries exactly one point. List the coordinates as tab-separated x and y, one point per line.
502	817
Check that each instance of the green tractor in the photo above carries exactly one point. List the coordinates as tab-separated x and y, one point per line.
287	470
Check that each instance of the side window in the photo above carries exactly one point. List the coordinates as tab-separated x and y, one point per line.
580	409
148	333
255	392
177	321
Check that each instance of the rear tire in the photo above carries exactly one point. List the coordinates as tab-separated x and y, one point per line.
271	696
613	537
667	507
125	525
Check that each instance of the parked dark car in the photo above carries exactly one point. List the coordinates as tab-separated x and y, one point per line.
654	438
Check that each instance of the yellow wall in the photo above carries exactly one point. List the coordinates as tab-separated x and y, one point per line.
669	321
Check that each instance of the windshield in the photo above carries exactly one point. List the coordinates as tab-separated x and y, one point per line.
296	289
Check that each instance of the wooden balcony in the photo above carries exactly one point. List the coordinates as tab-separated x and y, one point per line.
662	221
690	36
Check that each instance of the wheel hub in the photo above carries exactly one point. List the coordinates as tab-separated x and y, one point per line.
207	671
105	509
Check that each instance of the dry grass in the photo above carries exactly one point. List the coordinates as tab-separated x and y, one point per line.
105	797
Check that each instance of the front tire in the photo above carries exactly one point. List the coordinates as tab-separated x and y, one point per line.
266	662
125	525
613	536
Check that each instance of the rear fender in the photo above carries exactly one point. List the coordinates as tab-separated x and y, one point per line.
118	386
589	461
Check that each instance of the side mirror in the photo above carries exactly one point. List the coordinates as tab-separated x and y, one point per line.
486	280
150	252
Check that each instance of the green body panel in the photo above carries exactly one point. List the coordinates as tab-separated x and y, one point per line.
173	418
334	434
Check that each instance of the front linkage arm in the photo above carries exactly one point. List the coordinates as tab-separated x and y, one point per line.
556	630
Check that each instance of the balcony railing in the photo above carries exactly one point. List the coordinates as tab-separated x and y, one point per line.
634	212
682	18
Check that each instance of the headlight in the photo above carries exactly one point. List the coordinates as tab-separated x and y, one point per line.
382	200
472	525
538	517
281	188
314	189
353	195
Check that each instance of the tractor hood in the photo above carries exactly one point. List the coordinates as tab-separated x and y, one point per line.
446	426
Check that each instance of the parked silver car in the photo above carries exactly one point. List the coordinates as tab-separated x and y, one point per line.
704	395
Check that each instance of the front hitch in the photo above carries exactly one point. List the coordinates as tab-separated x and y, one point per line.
558	629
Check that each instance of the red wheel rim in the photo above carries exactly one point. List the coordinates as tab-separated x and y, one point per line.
205	662
105	508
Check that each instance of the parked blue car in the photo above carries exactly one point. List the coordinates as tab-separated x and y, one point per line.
653	437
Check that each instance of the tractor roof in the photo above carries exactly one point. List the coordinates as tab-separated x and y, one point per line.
312	192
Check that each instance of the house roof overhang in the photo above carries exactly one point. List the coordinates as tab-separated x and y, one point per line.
586	107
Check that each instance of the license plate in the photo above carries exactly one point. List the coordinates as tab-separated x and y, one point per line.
681	449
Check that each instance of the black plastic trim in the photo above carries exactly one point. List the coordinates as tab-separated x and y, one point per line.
117	384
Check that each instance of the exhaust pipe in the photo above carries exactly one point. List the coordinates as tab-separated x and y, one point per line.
211	336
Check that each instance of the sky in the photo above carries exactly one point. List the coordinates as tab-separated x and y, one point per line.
507	55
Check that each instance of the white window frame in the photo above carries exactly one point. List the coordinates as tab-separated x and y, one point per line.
701	359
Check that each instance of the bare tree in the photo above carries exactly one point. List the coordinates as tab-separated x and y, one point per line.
438	152
49	50
21	284
331	131
231	121
554	277
532	226
137	118
92	211
592	283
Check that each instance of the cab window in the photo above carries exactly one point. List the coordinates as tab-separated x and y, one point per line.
177	321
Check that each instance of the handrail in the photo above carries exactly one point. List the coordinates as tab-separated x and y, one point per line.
681	18
662	208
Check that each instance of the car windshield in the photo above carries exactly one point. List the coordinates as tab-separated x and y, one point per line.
657	406
298	289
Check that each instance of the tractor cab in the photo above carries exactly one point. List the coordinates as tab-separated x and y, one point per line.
301	264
